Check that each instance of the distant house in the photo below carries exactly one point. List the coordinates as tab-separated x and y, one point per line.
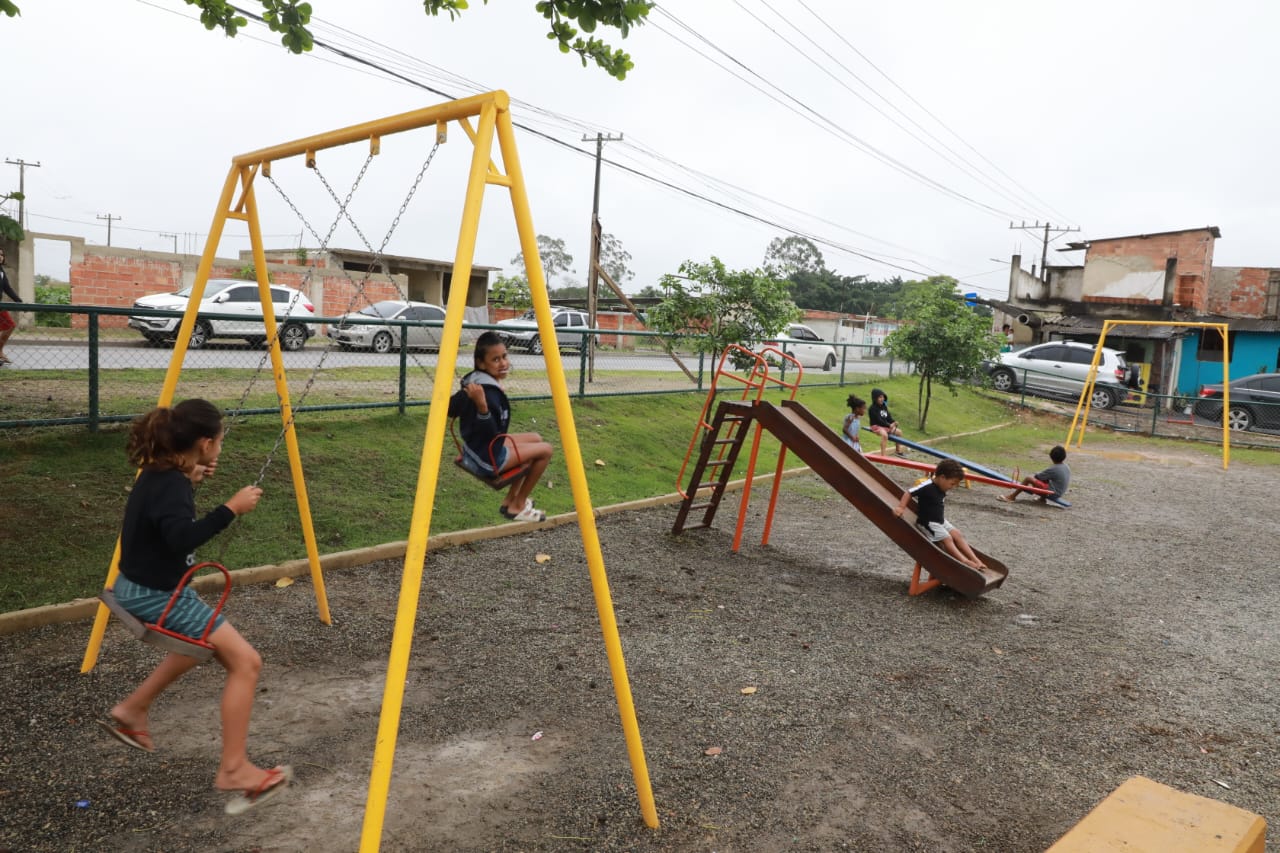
1162	277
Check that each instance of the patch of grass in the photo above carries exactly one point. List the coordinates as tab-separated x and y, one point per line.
66	488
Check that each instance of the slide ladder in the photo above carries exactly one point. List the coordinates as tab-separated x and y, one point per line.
721	443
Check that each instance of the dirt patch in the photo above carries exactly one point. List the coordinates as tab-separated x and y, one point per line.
1135	635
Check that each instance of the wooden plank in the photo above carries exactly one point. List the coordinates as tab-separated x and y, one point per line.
1143	816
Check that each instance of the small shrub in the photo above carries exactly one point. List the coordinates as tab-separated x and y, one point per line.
53	294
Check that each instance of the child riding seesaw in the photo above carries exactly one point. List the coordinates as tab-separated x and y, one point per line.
1056	478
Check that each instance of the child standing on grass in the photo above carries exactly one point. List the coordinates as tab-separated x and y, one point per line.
483	415
1056	478
176	447
931	498
882	423
853	421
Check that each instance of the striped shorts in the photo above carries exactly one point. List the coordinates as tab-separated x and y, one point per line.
189	616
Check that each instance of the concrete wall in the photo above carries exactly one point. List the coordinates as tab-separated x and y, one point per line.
107	276
1135	270
1244	292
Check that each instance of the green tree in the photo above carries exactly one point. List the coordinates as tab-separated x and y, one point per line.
50	292
614	259
722	306
556	260
511	291
943	338
793	255
10	228
290	19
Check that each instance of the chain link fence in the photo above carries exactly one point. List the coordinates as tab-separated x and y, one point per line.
1254	424
80	366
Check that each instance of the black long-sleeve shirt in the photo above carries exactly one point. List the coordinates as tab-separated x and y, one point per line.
7	289
161	530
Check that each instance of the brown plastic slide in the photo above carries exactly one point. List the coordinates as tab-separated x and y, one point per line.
869	490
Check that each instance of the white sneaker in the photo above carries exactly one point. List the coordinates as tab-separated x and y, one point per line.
530	514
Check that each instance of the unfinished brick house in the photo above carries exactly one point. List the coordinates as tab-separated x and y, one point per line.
1163	277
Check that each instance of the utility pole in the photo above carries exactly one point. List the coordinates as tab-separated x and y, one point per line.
593	269
1044	246
175	240
109	219
22	187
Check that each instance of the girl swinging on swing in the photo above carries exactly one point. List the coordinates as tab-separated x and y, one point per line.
483	415
175	448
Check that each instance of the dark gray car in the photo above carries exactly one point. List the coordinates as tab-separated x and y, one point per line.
1255	402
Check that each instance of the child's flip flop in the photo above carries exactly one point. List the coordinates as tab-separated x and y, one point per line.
278	778
127	736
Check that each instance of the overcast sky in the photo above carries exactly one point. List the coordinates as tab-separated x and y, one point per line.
902	138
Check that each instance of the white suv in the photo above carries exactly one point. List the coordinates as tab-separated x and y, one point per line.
234	297
805	346
522	332
1060	368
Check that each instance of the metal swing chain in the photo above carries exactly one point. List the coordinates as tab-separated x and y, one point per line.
378	253
359	291
360	287
324	242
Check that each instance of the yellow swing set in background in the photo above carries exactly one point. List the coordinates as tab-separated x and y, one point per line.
1081	418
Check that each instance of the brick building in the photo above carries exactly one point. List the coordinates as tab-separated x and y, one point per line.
1160	278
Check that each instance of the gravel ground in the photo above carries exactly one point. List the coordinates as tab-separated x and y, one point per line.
1128	639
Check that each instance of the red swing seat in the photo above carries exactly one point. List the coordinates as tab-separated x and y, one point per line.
156	634
501	480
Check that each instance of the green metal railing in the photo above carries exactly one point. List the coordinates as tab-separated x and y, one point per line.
81	366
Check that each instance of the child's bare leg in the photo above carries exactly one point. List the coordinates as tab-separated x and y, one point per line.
968	555
531	449
949	546
134	710
243	664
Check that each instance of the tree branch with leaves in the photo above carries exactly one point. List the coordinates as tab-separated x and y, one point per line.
718	306
290	18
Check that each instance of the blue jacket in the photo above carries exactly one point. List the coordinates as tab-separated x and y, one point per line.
479	430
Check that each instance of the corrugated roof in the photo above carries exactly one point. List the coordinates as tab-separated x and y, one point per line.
1070	324
1084	244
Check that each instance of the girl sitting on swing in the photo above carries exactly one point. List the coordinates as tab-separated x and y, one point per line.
176	447
483	415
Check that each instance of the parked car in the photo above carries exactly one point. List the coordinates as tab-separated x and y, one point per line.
384	338
522	332
1255	402
229	296
805	346
1061	368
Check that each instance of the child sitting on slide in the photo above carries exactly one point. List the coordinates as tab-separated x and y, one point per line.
931	498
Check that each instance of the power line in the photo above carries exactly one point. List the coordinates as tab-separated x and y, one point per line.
923	108
362	62
948	154
833	127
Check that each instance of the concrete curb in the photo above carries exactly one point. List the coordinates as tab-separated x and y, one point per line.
83	609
